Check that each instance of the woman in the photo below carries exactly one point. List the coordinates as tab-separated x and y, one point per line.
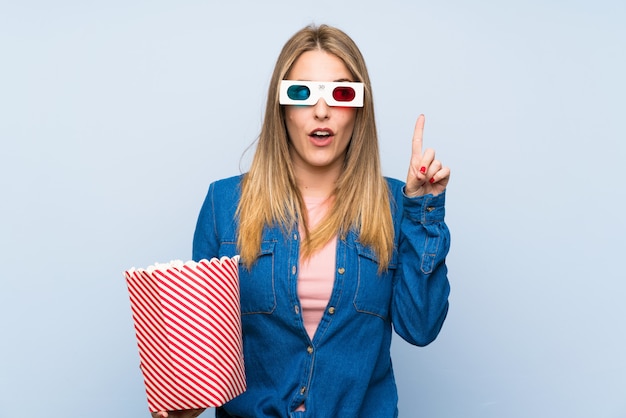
332	253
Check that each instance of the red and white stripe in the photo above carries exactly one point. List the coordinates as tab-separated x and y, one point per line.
188	327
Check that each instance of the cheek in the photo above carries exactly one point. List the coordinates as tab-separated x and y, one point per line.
293	117
348	117
290	123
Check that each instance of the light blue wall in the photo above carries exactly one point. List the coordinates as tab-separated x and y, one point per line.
116	115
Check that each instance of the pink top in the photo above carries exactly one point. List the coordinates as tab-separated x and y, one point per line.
317	274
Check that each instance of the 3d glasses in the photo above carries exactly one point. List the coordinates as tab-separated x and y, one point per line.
307	93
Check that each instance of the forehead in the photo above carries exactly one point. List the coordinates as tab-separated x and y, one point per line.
318	65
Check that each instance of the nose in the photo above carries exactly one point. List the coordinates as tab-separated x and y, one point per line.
321	110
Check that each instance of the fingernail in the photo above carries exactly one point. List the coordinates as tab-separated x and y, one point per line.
423	170
432	180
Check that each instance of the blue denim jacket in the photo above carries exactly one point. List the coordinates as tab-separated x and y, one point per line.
345	370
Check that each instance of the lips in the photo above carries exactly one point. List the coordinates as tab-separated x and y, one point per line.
321	136
322	132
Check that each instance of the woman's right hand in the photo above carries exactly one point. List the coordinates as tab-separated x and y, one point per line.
185	413
426	174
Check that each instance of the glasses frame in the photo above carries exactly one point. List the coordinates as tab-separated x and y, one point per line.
321	89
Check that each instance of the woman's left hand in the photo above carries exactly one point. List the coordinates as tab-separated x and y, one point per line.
426	174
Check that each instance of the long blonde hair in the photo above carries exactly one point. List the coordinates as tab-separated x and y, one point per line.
269	194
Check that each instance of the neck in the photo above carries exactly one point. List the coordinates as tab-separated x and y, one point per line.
316	182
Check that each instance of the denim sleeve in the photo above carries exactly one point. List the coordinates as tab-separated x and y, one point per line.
421	287
205	242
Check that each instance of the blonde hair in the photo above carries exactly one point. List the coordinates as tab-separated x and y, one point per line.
269	194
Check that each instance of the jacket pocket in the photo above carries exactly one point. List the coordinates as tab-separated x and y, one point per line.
256	286
373	289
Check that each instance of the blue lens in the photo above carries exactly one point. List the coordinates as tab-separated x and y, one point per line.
298	92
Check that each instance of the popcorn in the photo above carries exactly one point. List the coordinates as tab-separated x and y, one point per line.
188	326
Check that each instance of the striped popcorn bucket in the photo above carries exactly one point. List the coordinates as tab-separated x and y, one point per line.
188	327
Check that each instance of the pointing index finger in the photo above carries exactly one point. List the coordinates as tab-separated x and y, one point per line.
418	135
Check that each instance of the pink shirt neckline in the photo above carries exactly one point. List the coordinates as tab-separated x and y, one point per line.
316	274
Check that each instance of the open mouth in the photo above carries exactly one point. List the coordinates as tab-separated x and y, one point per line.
321	134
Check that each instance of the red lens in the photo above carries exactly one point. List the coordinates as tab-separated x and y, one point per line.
344	94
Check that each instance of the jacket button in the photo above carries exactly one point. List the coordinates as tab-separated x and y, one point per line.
341	270
430	208
331	310
309	350
302	390
295	237
296	309
293	270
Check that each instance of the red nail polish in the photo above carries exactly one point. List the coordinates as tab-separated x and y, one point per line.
432	180
423	170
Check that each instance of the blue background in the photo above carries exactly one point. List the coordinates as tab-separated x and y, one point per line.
116	115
